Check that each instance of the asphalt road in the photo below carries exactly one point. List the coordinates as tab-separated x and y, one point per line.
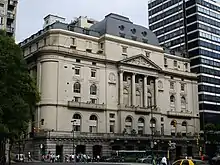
43	163
100	163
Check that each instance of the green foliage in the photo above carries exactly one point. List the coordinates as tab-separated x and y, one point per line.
18	93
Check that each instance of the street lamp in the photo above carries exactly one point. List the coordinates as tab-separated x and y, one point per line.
74	121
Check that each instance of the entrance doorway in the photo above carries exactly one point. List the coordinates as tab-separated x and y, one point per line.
80	149
178	151
59	151
97	150
189	151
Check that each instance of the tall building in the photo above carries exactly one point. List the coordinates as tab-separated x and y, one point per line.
192	27
8	16
110	78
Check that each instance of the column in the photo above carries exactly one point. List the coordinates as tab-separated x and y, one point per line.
156	91
145	91
121	87
133	87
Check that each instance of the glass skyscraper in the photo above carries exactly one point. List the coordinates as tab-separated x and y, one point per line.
192	27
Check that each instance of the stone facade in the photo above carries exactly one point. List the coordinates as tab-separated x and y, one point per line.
115	92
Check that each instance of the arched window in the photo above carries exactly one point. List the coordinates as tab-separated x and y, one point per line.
77	122
128	124
125	97
172	99
153	125
173	123
93	124
76	87
140	126
183	102
93	89
149	99
138	98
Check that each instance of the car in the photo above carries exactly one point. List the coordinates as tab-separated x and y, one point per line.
115	159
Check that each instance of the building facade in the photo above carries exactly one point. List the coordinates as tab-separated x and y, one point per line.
111	84
8	16
191	27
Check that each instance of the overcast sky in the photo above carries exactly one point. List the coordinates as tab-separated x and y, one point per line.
30	13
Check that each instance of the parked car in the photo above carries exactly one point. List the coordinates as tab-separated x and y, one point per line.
115	159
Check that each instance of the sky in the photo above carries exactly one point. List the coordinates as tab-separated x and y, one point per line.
30	13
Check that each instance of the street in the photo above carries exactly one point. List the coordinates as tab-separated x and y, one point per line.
101	163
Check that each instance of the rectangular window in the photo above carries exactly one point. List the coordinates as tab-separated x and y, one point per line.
175	63
93	63
73	41
182	87
1	5
186	66
1	20
77	71
112	126
101	46
45	41
93	101
171	85
93	73
112	115
77	99
29	49
37	45
165	61
78	60
124	50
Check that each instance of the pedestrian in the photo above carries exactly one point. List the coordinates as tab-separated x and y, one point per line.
29	156
164	161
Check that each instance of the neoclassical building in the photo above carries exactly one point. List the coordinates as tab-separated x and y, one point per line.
114	85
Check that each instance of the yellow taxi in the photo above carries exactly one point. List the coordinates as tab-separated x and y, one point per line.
189	162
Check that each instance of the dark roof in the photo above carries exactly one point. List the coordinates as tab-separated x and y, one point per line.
121	26
113	24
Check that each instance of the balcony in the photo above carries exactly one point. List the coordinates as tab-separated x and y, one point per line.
13	3
107	136
136	109
180	114
73	104
10	15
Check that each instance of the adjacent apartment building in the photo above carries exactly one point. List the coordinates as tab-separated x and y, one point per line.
8	16
192	28
114	85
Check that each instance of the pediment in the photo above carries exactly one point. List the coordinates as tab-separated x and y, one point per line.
141	61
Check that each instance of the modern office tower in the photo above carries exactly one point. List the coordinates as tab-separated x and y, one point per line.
8	16
192	27
109	78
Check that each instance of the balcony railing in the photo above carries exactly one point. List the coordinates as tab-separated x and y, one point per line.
180	114
134	108
10	15
108	136
73	104
13	2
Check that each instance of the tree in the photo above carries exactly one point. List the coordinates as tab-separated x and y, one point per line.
18	92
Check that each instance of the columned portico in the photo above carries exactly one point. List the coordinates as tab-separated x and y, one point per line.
133	87
121	87
145	91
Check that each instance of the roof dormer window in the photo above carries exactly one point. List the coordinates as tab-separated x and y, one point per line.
121	27
144	33
133	30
